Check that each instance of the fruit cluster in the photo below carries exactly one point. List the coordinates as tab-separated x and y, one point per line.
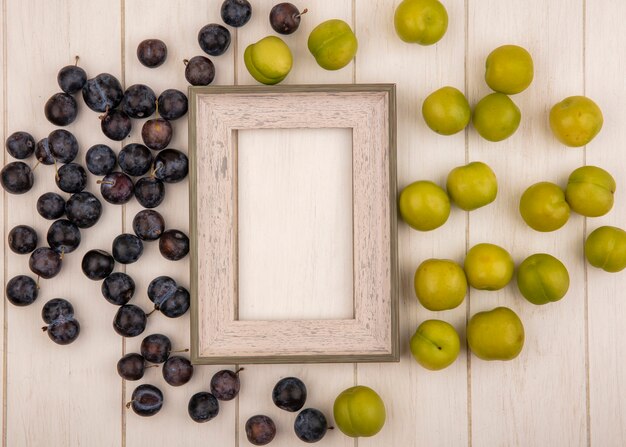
541	278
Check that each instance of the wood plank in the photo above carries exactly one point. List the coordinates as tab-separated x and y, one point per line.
75	387
177	24
538	398
411	393
323	382
3	213
605	83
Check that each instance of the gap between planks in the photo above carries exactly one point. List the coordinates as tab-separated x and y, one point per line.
5	215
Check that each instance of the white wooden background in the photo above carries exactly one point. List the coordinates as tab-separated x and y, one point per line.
567	388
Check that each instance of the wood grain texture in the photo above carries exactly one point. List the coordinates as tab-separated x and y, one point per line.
177	24
506	395
538	399
279	169
416	398
219	116
605	83
73	396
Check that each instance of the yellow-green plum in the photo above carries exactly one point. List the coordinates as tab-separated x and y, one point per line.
509	69
605	248
359	411
542	278
543	207
269	60
333	44
440	284
576	120
472	186
421	21
497	334
446	111
496	117
488	267
424	205
435	344
590	191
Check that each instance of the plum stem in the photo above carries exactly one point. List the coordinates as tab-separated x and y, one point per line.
56	170
185	61
36	164
239	370
150	313
45	328
76	60
106	112
304	11
330	428
128	404
180	350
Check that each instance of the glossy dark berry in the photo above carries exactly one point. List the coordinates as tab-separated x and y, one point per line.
236	13
100	159
131	366
156	348
172	104
63	145
285	18
97	264
17	178
289	394
71	79
156	133
310	425
225	384
20	145
102	92
71	178
139	101
22	239
169	298
135	159
149	192
260	430
42	152
199	70
173	245
146	400
50	206
116	188
148	225
62	331
177	304
21	290
171	166
56	309
203	407
177	370
214	39
129	321
61	109
115	124
127	248
83	209
63	236
118	288
160	289
152	52
45	262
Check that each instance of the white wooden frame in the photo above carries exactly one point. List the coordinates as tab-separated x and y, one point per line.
217	113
